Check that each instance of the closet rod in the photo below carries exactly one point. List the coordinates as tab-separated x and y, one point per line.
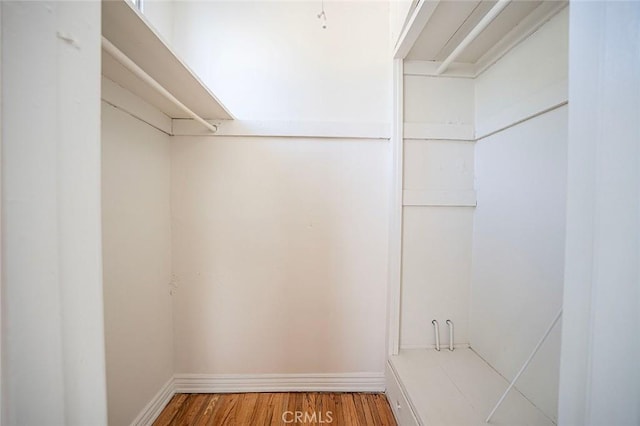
484	23
139	72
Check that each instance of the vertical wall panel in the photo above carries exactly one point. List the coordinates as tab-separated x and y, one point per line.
137	262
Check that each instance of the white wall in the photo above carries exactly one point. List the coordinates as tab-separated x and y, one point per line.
52	325
279	248
399	13
271	60
136	230
600	379
518	236
160	13
529	79
436	238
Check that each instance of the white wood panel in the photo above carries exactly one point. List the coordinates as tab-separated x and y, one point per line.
129	31
436	268
438	100
439	198
428	68
437	165
455	132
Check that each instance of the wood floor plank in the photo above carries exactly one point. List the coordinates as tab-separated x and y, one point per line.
339	413
309	408
349	409
261	414
366	410
189	410
329	406
226	414
279	406
357	401
246	408
170	410
209	407
385	411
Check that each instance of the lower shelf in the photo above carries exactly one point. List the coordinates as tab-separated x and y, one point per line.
454	388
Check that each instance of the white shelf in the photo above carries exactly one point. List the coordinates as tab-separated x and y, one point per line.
447	24
459	388
130	32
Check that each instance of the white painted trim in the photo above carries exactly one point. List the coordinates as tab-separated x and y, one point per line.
421	15
428	69
525	28
119	97
546	100
153	409
231	383
294	129
405	394
439	198
395	216
463	132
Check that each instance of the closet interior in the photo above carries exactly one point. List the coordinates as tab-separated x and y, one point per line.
479	136
480	212
437	200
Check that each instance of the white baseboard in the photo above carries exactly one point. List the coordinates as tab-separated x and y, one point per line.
443	346
228	383
153	409
231	383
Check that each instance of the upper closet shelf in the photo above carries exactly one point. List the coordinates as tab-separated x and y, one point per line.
127	30
465	37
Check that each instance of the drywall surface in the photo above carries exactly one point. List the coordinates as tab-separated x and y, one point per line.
599	376
52	323
272	60
160	14
137	262
530	79
518	251
280	254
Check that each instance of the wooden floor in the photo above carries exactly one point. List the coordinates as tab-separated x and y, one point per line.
294	408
